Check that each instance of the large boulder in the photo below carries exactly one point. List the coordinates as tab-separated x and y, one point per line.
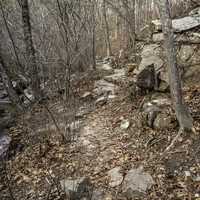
146	79
189	37
181	24
151	55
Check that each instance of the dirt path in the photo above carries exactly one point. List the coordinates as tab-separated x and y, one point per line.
100	145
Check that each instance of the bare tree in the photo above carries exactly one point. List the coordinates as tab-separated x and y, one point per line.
107	32
182	112
30	50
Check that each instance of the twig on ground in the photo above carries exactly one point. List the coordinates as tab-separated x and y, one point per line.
174	140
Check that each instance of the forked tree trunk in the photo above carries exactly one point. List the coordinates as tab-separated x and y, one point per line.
30	51
183	115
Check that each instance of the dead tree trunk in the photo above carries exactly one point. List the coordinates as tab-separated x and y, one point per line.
182	112
30	51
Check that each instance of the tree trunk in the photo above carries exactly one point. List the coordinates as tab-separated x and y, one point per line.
93	37
109	51
182	112
30	51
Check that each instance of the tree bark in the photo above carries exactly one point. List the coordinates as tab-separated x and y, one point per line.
93	37
109	51
183	115
30	50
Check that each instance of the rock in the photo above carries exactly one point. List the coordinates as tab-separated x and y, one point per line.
145	33
125	124
158	37
158	104
196	11
157	25
163	86
181	24
161	100
102	87
3	94
116	177
111	60
29	94
98	195
118	75
151	113
83	111
150	50
86	95
136	183
185	53
162	121
151	55
80	188
130	67
101	100
151	59
105	67
146	79
191	77
190	37
4	143
174	166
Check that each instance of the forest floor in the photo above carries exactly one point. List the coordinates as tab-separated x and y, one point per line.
39	159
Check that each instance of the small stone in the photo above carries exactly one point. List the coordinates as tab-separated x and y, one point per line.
125	124
187	174
86	94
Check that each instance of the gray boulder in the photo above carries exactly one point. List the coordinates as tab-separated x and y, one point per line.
151	55
157	112
181	24
75	189
117	76
185	53
116	177
162	121
191	77
102	87
136	183
5	140
98	195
